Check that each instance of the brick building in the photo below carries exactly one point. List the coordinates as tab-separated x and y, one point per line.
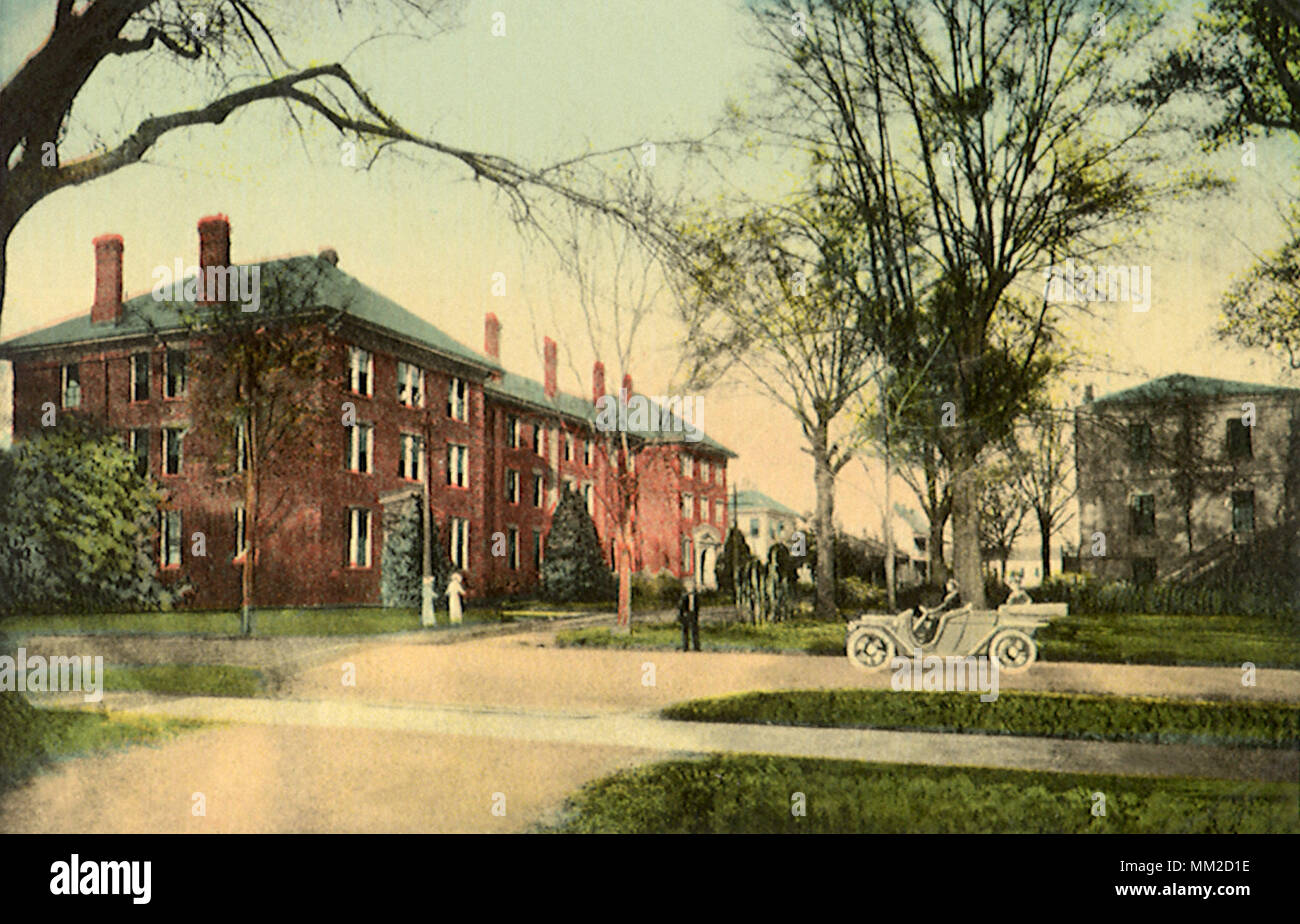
1179	473
494	445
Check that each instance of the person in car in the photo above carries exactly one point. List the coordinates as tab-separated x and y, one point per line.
925	622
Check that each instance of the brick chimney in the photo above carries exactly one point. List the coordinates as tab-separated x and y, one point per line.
548	354
492	336
597	382
214	248
108	280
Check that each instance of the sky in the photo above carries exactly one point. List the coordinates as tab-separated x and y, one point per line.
567	76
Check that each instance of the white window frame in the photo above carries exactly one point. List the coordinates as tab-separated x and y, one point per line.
136	437
688	505
589	498
458	399
688	465
458	538
568	447
514	432
135	376
410	384
241	446
183	379
706	473
241	532
586	452
512	548
410	457
457	465
361	363
359	549
539	489
512	486
63	386
361	448
169	552
178	433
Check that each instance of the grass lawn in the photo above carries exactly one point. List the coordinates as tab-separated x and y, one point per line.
1048	715
1116	639
755	794
31	738
191	679
270	622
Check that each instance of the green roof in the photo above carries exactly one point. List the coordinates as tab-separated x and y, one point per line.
333	288
533	394
1190	386
757	500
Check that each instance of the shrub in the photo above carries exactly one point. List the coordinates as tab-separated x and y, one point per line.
661	588
574	569
1086	595
737	549
403	567
858	594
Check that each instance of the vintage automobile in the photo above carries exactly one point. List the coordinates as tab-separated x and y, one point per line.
1005	634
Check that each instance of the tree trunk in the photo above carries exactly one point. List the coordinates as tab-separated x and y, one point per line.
934	551
1045	544
966	534
890	589
250	527
824	524
624	581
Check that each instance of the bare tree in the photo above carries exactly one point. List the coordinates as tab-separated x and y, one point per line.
1044	449
219	43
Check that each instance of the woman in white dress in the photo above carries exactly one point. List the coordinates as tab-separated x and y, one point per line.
455	591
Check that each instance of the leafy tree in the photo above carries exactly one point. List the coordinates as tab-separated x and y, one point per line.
78	525
574	568
735	555
979	128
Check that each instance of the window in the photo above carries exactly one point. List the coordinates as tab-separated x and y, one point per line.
241	447
537	550
1243	511
1238	439
687	563
688	466
512	432
140	449
705	472
1144	570
539	483
1143	510
459	535
688	505
537	439
170	553
586	452
174	375
358	537
71	385
410	385
512	486
361	447
241	533
457	465
361	371
1139	442
753	527
705	512
173	437
140	377
410	460
589	498
458	399
512	548
568	447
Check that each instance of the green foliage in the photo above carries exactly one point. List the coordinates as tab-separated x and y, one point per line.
860	595
1086	596
188	679
735	553
752	794
1043	715
403	567
662	589
574	568
77	526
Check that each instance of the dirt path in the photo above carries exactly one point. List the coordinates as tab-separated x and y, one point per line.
429	732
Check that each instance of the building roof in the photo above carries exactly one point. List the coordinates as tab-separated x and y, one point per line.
757	500
1190	386
332	289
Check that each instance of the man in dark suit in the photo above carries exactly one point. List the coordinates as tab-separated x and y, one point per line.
688	614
